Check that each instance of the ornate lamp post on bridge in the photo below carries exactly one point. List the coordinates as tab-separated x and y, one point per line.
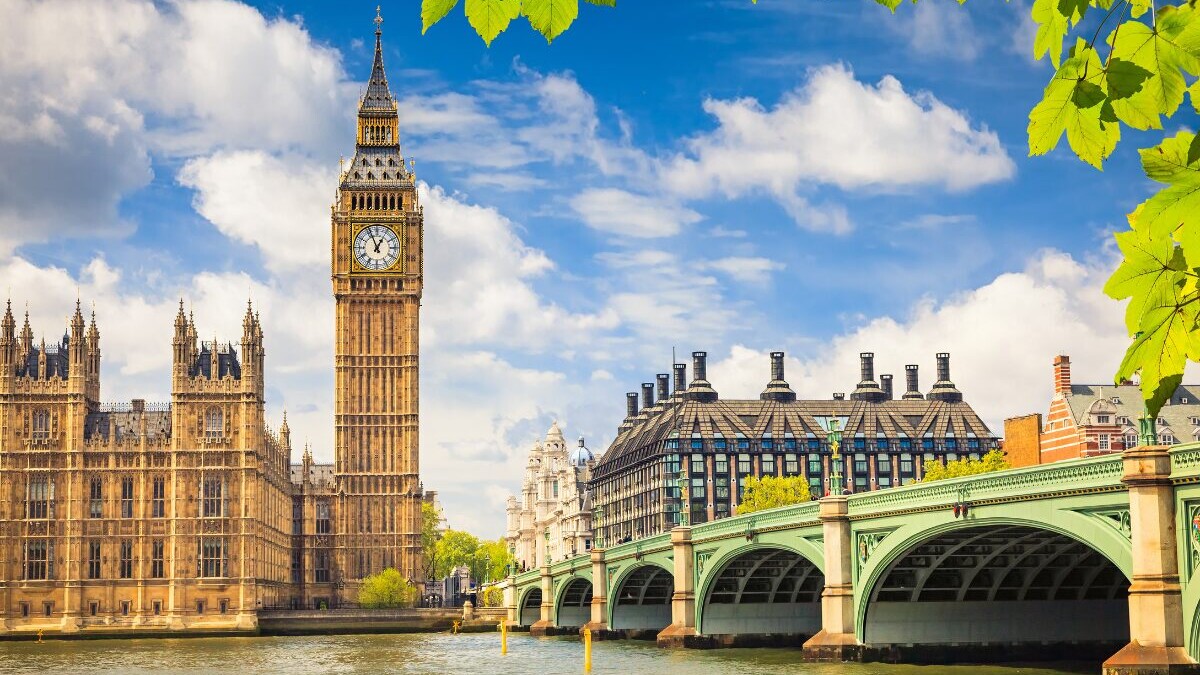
835	444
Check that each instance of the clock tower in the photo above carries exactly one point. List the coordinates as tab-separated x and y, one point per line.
377	282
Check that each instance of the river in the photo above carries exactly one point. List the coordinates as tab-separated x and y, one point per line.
472	654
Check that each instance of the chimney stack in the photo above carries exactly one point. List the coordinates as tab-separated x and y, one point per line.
867	389
910	378
777	389
1062	374
631	406
885	383
839	396
943	389
664	387
680	371
647	396
700	389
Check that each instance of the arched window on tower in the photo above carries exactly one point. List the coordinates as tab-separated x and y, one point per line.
214	423
41	424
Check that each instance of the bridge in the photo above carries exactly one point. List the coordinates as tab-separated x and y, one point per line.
1086	559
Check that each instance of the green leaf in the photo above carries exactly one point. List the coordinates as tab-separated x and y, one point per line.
1163	50
1124	78
1139	7
1162	349
1150	263
890	4
1073	9
1194	150
1194	94
1075	102
550	17
489	18
1175	210
433	11
1052	29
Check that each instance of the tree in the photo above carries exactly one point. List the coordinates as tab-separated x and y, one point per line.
1135	75
994	460
492	560
492	596
455	548
771	491
386	590
431	523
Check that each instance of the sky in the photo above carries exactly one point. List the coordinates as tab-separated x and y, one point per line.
813	176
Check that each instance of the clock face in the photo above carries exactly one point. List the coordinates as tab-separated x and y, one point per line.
377	247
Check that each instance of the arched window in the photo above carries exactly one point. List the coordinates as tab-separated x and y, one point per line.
391	162
214	423
41	424
370	176
385	176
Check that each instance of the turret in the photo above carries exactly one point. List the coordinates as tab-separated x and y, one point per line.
8	339
700	389
868	389
778	388
944	389
77	349
285	433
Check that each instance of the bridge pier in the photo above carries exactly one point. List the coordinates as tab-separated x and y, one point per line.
682	631
836	640
545	624
598	624
512	614
1156	640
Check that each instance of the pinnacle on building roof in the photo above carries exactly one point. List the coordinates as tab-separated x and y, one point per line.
378	97
554	434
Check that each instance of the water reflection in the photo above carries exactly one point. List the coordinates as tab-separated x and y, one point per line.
477	654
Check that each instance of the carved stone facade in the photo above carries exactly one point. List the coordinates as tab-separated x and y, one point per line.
138	516
189	515
377	265
552	521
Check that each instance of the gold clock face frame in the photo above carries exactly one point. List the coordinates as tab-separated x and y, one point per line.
377	248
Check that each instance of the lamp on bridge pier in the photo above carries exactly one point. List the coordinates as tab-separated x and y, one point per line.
835	443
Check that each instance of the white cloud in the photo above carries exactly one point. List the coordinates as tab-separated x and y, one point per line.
278	204
88	93
746	269
1001	336
838	131
939	28
630	215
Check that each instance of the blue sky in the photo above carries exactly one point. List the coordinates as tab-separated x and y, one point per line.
815	176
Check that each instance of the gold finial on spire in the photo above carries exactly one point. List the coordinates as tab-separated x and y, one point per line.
378	19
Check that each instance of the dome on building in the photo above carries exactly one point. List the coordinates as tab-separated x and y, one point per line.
580	456
555	435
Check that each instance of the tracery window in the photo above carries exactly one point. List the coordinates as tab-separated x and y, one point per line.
213	497
41	424
39	497
127	497
214	423
96	498
212	561
39	559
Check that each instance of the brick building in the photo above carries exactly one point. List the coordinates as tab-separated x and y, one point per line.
1095	419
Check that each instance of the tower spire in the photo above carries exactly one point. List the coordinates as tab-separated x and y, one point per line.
378	96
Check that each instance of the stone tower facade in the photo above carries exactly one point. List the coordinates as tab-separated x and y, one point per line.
377	282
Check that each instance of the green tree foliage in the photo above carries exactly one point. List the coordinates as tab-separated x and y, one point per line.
1135	74
771	491
994	460
492	596
431	523
386	590
455	548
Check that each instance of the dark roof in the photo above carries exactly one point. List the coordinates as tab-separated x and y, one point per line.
57	361
378	96
759	419
224	356
127	424
1128	404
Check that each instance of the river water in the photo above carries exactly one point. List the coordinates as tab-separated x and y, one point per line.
471	654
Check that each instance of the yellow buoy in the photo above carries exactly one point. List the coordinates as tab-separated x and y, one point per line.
587	651
503	638
455	626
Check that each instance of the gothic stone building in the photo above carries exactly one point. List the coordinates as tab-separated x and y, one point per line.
687	453
138	516
190	515
553	519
